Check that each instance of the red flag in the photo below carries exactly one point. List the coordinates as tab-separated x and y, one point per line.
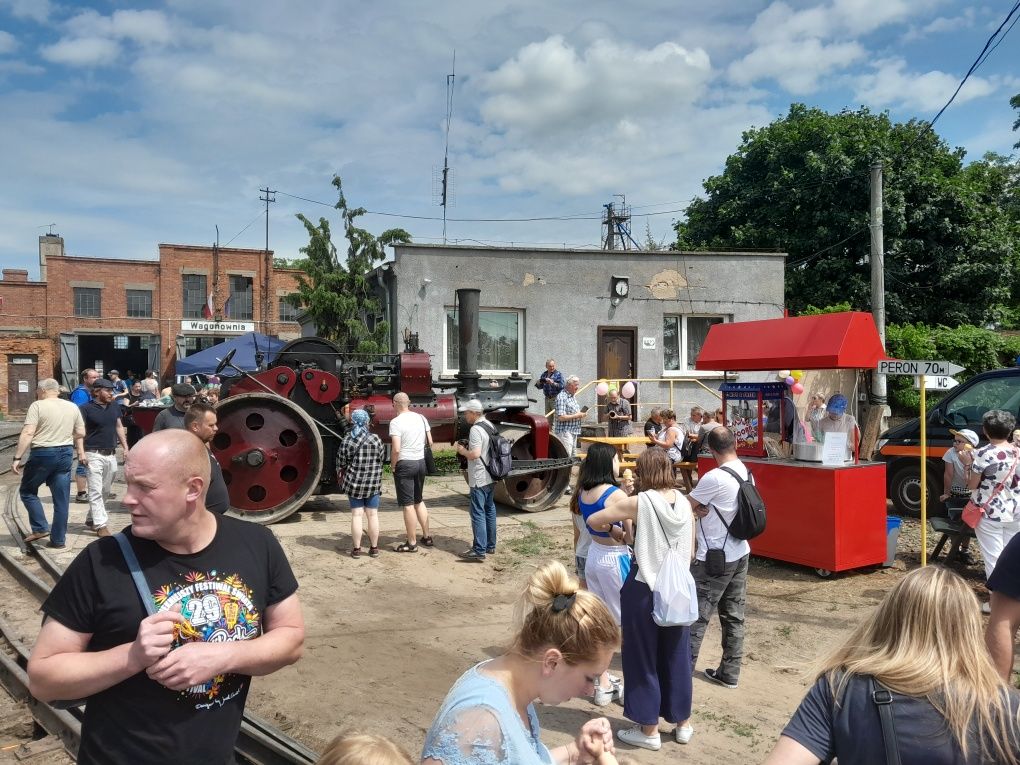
207	309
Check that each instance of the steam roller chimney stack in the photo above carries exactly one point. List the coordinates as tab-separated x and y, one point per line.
467	327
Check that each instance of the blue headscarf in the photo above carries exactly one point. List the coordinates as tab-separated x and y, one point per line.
360	419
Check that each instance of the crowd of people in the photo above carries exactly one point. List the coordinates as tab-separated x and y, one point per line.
165	624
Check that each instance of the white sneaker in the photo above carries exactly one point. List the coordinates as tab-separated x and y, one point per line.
986	608
635	737
603	696
683	734
617	688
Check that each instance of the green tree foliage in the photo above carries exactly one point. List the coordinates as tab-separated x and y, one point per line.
1015	103
801	184
338	295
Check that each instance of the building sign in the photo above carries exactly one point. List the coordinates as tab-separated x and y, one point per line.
217	327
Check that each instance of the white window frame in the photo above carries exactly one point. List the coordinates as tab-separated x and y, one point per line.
682	319
447	371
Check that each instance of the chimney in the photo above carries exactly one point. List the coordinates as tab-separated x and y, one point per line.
50	246
15	275
467	324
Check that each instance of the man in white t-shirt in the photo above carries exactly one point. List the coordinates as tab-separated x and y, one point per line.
483	506
714	501
409	433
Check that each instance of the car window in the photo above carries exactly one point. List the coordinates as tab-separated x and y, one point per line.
967	409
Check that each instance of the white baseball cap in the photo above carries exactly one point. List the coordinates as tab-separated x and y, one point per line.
472	405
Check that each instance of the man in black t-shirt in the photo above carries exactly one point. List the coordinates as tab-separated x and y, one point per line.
653	425
1004	618
200	419
183	395
171	687
103	430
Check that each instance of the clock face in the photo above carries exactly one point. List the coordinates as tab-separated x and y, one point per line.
622	289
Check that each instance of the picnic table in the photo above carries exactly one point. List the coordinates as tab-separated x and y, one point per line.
620	443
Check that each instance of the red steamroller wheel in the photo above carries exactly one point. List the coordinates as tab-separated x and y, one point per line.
534	492
271	455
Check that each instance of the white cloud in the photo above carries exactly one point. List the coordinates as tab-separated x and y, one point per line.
797	66
143	27
82	51
890	83
549	86
942	25
8	43
36	10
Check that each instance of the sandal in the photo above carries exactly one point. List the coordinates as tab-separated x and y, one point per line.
355	552
405	547
373	552
427	541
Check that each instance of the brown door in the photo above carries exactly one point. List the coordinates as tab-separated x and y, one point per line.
22	377
617	359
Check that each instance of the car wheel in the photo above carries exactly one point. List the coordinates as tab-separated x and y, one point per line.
905	491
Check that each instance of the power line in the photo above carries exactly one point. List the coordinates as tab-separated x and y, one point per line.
249	225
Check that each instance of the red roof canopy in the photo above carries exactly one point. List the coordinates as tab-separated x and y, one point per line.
830	341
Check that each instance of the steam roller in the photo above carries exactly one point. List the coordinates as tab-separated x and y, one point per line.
279	429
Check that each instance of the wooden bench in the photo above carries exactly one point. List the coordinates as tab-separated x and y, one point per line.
954	533
685	469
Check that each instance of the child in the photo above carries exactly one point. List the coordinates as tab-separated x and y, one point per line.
363	749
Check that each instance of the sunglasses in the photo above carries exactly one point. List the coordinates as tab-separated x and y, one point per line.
960	441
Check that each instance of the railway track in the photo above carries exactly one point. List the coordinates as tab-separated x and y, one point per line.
29	578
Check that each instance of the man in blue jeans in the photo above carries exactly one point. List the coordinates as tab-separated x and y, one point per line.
483	506
54	430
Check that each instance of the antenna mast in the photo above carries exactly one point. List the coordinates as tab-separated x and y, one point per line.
445	199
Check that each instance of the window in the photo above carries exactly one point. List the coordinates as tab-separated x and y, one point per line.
87	301
139	304
240	298
288	311
195	295
499	340
682	338
966	409
120	342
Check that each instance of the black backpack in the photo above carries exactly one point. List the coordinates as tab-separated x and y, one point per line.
498	461
749	521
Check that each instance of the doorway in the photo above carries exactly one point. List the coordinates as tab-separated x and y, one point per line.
22	377
617	360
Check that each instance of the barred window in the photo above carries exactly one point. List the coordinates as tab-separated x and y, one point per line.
195	295
139	304
240	298
88	301
288	311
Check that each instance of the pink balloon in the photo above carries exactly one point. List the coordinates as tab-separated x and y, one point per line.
790	381
797	388
602	388
628	390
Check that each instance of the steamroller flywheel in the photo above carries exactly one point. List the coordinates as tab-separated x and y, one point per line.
271	455
534	492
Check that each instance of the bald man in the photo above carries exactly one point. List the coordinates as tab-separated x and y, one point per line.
170	687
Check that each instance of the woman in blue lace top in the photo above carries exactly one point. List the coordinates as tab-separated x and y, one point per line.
565	643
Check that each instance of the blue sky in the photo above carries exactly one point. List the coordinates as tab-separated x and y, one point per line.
129	124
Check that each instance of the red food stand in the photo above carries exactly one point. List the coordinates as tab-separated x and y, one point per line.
828	517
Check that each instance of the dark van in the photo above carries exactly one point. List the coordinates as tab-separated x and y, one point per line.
962	407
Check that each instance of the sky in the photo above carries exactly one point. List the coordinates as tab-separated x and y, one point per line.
127	124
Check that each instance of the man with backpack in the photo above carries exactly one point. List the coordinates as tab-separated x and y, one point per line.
481	482
720	568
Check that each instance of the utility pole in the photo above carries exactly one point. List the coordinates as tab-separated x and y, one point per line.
878	386
268	270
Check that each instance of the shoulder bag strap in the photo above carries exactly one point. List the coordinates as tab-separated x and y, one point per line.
136	572
883	700
1002	484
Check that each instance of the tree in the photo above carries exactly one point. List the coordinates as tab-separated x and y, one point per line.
338	296
801	184
1015	103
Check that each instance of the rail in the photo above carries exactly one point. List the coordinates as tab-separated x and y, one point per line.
258	742
671	403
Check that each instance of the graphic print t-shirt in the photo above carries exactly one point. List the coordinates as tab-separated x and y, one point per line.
223	590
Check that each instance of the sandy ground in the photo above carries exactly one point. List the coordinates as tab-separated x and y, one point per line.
387	637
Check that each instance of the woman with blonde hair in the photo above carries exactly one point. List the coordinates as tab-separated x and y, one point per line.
363	749
565	641
656	660
922	657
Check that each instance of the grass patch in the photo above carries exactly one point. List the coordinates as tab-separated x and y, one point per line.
785	631
534	542
732	724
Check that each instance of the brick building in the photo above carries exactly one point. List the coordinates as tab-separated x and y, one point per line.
132	314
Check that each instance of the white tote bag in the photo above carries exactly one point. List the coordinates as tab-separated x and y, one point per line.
675	594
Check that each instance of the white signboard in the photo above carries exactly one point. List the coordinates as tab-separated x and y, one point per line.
22	386
648	343
217	327
834	449
915	368
931	382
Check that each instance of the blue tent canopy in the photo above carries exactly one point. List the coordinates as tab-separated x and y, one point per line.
204	362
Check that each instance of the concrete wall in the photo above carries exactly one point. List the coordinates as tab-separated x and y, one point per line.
564	297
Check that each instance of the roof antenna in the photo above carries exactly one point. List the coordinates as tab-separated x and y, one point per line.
446	183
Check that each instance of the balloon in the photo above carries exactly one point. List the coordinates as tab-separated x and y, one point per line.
796	374
602	388
628	390
797	388
784	373
790	381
